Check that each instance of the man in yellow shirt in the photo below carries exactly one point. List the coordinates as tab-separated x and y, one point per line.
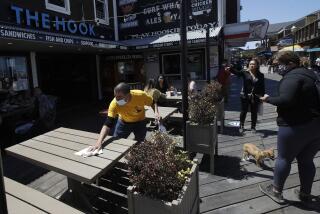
128	105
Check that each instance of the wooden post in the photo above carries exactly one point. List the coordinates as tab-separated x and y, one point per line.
3	201
208	52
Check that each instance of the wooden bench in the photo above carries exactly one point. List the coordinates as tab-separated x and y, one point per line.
23	199
55	150
176	117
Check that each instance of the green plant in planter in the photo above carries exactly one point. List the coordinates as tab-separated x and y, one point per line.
202	105
157	169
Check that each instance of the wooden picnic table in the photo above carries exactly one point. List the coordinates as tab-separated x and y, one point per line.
55	150
174	98
22	199
164	112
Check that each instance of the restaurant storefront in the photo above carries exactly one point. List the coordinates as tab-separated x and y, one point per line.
53	46
80	51
153	30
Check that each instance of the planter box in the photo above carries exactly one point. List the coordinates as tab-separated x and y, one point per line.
220	114
203	139
187	203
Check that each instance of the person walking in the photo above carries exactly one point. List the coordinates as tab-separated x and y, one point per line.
253	87
129	106
298	107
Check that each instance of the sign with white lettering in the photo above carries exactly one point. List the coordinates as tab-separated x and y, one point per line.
168	44
124	57
48	21
35	18
143	18
201	7
33	35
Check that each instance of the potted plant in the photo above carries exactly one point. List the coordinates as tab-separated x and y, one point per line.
201	129
164	180
213	92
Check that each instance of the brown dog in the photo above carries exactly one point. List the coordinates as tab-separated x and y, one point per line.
250	149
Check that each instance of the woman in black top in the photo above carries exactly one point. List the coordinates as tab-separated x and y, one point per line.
252	89
162	84
298	107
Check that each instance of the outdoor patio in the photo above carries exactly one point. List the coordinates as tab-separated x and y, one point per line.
233	188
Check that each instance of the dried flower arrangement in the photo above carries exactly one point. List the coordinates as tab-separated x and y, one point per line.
213	92
157	169
202	105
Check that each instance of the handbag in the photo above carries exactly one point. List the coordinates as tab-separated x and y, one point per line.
251	96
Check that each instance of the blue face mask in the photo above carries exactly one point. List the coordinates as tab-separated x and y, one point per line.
121	102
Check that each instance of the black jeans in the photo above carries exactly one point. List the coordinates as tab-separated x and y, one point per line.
245	103
301	142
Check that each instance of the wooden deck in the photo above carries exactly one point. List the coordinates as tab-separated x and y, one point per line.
233	188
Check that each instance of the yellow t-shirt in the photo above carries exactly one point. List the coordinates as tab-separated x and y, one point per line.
133	111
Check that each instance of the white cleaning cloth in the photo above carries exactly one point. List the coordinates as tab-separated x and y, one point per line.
87	153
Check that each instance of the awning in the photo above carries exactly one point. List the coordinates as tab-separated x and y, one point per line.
297	48
313	50
193	37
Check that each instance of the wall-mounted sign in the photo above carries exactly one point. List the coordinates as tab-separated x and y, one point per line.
245	31
144	18
39	18
168	44
45	21
124	57
152	58
258	29
10	32
201	7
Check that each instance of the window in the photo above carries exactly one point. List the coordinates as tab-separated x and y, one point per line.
101	11
13	73
195	65
126	71
61	6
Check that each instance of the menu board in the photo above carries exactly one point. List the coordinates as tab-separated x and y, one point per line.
145	18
